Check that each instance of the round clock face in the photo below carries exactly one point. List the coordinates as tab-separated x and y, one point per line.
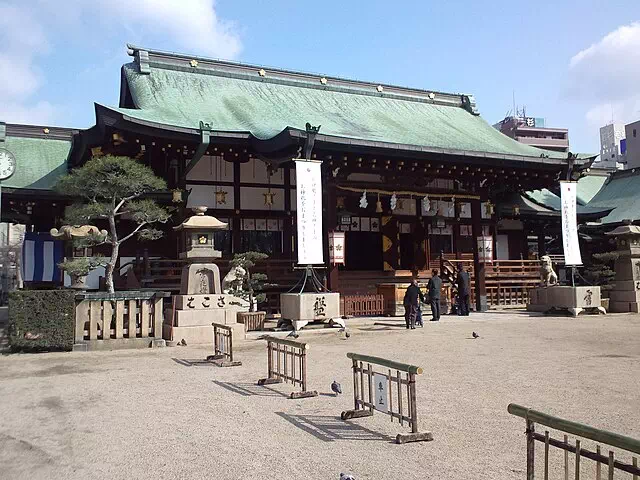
7	164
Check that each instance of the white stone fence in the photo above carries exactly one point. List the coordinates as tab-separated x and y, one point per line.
104	320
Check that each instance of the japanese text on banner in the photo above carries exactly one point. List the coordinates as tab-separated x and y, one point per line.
309	206
570	224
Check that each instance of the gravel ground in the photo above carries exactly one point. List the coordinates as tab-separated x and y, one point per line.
152	414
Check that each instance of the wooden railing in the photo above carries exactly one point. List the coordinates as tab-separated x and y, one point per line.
124	315
362	305
378	391
223	346
508	282
611	439
283	356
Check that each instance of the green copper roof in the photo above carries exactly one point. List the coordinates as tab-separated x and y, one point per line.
177	95
622	192
40	162
588	187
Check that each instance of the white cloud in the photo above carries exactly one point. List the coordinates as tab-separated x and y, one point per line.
604	77
29	29
193	24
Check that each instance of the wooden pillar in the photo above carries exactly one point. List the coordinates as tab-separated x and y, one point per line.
479	272
456	239
331	219
542	247
236	232
287	227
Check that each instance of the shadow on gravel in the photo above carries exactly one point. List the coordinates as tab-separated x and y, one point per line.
330	429
250	389
196	362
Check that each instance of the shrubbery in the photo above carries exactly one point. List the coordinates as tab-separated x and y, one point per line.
41	320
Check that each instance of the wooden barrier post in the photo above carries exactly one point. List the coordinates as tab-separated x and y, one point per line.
615	440
223	346
382	383
290	365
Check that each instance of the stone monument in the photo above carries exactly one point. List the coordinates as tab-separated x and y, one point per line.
201	300
625	296
551	296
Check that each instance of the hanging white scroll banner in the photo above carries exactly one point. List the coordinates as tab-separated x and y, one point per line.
309	212
570	223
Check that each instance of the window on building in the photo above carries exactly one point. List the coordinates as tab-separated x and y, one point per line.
634	133
262	235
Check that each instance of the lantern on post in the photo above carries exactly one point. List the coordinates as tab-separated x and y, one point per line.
336	248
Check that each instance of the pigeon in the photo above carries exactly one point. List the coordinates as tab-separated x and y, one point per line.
293	334
345	331
475	335
182	343
336	388
346	476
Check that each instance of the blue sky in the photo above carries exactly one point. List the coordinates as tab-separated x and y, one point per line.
577	63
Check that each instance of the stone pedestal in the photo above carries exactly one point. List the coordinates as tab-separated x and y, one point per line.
302	308
625	296
574	299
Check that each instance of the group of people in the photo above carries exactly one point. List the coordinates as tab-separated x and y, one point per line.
414	297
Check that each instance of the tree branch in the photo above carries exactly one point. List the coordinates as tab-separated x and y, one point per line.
137	229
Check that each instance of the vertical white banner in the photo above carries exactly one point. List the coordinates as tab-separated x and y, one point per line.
309	212
570	223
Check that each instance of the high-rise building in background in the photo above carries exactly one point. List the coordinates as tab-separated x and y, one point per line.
612	146
632	145
534	132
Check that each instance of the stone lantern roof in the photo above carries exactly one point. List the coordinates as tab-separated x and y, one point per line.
200	221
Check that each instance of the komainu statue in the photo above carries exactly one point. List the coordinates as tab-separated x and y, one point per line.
547	274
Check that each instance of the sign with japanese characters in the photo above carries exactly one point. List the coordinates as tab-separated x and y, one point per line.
337	248
485	249
570	223
309	212
381	395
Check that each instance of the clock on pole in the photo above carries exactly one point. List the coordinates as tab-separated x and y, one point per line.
7	168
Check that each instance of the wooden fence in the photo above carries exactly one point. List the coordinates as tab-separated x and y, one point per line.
223	346
118	316
362	305
579	430
382	383
287	361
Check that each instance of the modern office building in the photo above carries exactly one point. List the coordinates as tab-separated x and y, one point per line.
533	131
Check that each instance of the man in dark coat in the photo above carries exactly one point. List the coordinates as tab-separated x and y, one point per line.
412	296
434	286
463	282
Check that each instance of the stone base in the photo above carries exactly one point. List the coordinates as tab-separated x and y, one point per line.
624	307
199	334
192	318
574	299
302	308
118	344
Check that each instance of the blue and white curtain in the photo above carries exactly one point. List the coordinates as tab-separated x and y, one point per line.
40	257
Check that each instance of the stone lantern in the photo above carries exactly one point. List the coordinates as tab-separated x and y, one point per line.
201	276
625	296
201	301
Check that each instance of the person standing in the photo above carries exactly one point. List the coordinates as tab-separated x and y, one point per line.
434	287
411	300
463	282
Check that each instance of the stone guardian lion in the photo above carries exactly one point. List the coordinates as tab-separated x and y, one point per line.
547	274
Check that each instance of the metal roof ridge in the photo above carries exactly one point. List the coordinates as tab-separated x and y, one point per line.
299	76
40	131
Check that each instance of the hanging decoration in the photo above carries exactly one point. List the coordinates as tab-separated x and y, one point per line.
516	210
363	200
489	208
426	203
457	196
339	202
452	207
378	205
268	198
394	201
221	197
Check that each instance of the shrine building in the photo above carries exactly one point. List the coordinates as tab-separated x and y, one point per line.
412	177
